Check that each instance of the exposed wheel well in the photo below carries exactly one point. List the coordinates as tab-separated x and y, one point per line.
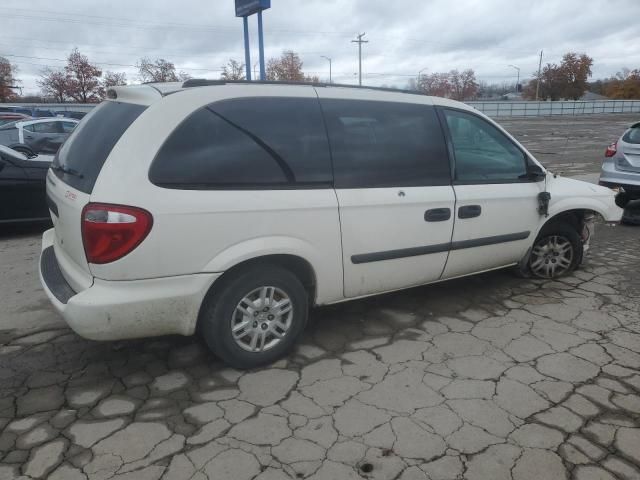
296	265
575	218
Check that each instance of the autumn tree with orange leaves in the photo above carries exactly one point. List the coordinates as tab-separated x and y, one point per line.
7	80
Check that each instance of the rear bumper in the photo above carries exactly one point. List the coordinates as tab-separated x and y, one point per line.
613	178
116	310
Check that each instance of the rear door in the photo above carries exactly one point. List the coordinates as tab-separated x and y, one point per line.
392	180
74	172
496	212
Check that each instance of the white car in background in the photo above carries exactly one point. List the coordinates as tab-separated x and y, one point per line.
37	136
231	208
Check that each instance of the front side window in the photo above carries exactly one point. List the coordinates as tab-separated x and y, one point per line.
246	143
385	144
483	154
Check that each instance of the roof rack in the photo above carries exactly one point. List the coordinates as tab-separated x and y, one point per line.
203	82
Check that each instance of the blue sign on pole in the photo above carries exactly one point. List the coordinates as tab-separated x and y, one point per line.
244	8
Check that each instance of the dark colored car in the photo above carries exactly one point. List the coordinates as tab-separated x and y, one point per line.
22	187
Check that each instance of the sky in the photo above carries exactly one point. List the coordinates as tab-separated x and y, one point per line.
405	36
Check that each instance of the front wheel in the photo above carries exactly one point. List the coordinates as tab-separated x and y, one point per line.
255	317
556	252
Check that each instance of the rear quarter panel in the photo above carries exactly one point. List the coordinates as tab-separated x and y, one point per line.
198	231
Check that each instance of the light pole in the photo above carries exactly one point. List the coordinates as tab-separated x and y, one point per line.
328	58
359	41
518	80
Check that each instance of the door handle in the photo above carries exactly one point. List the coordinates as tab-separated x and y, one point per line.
28	136
469	211
437	215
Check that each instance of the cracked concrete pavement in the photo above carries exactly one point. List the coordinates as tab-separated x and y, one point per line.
489	377
485	378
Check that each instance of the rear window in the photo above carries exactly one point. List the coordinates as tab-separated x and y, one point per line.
87	148
247	143
632	135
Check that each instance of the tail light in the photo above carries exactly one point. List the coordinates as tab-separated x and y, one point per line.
611	150
109	232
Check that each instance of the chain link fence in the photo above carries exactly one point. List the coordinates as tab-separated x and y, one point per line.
567	107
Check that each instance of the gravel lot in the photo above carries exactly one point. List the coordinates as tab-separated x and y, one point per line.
489	377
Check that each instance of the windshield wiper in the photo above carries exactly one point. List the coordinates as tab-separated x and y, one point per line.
66	170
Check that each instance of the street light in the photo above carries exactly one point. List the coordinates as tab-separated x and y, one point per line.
518	80
329	67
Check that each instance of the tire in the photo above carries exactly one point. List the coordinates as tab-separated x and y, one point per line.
239	302
556	252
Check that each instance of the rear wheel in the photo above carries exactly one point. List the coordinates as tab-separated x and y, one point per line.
556	252
255	317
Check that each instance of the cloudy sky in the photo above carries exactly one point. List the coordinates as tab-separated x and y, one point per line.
405	36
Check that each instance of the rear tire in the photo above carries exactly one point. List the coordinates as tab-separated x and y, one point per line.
556	252
255	317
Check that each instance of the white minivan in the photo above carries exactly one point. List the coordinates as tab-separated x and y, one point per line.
231	208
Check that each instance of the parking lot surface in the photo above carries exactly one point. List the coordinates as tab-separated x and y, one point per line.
571	145
487	377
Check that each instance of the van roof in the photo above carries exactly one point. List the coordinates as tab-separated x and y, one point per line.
148	93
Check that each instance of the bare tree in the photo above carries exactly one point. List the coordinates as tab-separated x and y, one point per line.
111	79
159	70
463	85
454	84
7	80
54	84
233	70
114	79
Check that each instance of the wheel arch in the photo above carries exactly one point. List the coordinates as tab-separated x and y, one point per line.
297	265
574	217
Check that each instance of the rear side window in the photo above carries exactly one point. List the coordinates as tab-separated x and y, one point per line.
87	148
247	143
632	135
385	144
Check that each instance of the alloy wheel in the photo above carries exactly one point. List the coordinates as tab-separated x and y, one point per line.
261	319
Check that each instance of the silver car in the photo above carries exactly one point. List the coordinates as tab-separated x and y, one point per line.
621	165
43	135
